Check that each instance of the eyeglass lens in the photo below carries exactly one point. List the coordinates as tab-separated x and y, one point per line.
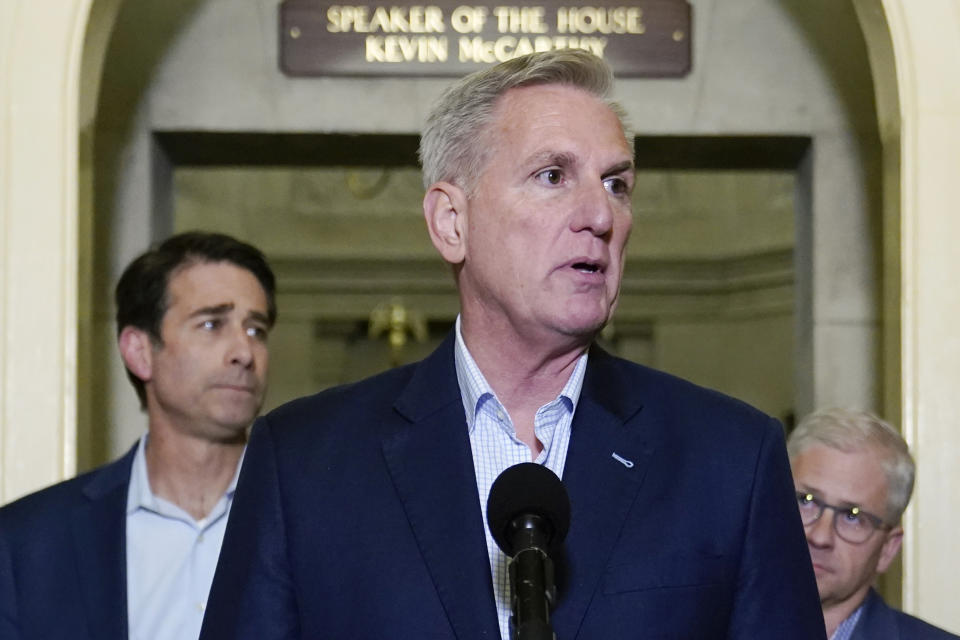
851	523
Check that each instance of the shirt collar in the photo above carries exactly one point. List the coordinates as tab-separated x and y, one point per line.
845	629
139	494
475	390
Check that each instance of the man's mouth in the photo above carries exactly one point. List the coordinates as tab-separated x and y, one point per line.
241	388
820	565
587	267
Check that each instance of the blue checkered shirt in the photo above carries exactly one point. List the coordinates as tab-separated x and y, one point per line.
495	446
845	628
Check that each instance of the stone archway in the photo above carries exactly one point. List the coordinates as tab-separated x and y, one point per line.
51	55
918	107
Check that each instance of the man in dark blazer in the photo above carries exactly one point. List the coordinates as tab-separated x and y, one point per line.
360	511
854	476
129	549
881	622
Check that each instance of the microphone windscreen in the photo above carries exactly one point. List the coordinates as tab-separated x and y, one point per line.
527	489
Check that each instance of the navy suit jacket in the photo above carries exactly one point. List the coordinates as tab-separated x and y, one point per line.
63	567
357	517
879	622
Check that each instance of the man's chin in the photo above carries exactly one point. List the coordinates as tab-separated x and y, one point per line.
583	332
826	588
234	421
587	322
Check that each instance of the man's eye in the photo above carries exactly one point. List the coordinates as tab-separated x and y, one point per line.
805	499
550	176
853	516
210	325
616	186
260	333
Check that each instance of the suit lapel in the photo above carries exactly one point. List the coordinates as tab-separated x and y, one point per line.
877	622
99	533
429	459
606	463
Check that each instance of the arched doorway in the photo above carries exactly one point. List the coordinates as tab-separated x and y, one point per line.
52	57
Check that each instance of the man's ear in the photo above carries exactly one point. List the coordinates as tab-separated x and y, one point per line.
136	349
890	548
445	209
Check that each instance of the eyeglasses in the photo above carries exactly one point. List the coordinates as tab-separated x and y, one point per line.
852	524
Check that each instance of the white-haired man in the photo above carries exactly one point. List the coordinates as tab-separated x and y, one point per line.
360	511
854	476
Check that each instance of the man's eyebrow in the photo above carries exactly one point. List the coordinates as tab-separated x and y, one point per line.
216	310
620	167
259	316
843	504
549	157
846	504
806	488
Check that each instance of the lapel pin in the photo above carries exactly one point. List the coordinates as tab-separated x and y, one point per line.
627	463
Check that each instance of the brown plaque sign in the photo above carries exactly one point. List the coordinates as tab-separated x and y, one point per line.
446	38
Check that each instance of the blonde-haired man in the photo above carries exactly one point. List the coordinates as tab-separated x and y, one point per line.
854	476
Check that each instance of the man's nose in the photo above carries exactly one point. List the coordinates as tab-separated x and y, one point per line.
594	210
820	533
241	349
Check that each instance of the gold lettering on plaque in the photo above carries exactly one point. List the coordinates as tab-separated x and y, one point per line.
465	19
358	19
520	19
508	47
605	20
406	49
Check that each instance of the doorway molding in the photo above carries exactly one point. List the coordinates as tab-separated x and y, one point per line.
51	57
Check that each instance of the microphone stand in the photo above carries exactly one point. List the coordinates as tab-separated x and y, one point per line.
532	583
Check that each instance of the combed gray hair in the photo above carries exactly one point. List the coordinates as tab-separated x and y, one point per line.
850	430
454	148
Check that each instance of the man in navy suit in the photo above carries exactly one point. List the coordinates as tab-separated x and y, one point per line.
854	476
360	511
129	549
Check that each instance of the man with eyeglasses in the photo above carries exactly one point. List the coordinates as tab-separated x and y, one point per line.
854	475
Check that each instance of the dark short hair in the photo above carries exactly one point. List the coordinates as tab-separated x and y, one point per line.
142	297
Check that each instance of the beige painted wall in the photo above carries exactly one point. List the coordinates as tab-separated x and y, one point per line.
41	64
925	40
40	59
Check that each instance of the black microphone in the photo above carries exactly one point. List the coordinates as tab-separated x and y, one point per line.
528	513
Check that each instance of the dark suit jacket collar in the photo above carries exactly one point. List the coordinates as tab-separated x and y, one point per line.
432	468
429	459
103	481
877	622
610	450
433	385
99	533
613	392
